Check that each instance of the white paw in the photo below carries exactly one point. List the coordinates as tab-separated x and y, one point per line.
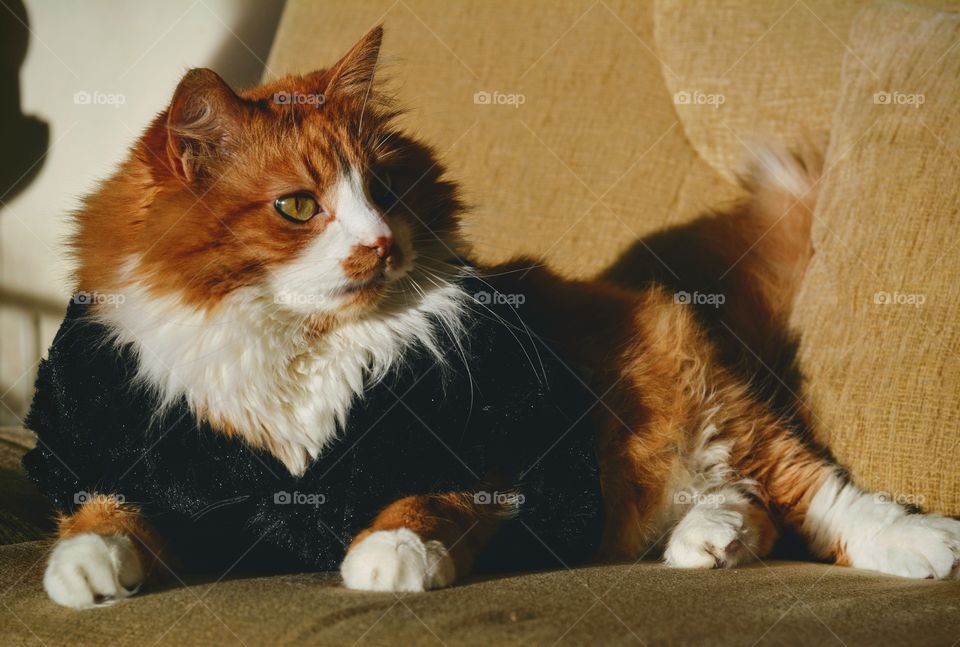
915	545
397	560
89	569
708	538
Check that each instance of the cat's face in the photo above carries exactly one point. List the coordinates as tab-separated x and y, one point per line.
300	191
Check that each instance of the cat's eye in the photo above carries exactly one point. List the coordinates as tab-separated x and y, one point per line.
298	207
381	190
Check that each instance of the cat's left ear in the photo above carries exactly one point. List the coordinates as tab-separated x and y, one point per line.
353	74
204	117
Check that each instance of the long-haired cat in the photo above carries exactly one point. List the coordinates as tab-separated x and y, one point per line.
277	255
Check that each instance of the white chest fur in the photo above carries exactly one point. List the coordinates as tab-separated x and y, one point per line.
253	369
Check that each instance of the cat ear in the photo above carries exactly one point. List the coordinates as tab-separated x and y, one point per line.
203	117
353	74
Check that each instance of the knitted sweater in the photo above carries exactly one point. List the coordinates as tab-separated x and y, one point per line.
519	412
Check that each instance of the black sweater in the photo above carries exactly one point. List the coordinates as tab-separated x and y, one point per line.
423	429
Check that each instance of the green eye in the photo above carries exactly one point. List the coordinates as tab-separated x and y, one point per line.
299	207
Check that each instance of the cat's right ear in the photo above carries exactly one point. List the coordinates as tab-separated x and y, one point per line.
203	117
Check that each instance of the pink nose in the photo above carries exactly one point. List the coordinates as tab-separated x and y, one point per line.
384	246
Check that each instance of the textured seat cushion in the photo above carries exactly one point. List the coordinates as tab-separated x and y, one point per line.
779	603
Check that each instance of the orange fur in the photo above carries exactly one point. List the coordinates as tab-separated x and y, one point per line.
105	515
453	518
194	201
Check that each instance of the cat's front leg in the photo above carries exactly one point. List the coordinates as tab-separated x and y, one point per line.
721	529
421	542
105	552
869	530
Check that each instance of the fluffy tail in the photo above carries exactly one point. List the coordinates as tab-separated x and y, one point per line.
774	230
766	247
754	256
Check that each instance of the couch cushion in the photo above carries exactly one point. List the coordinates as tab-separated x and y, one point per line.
24	513
778	603
879	308
772	68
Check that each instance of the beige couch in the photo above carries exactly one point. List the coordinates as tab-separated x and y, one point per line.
620	119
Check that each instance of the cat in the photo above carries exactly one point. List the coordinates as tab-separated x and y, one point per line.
282	248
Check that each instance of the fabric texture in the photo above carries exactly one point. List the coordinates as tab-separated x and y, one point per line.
780	603
503	405
880	307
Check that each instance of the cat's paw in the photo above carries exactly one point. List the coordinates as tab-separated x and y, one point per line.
397	560
708	538
916	545
89	569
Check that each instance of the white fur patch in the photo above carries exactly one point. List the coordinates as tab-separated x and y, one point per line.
773	168
255	365
880	535
709	536
397	560
252	364
705	510
314	281
89	569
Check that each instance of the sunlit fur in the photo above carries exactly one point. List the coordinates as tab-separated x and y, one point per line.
270	329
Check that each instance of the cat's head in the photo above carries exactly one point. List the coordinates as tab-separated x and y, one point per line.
301	190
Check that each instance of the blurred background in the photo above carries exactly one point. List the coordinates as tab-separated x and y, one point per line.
79	80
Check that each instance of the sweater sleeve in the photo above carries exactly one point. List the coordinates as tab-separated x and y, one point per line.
64	462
